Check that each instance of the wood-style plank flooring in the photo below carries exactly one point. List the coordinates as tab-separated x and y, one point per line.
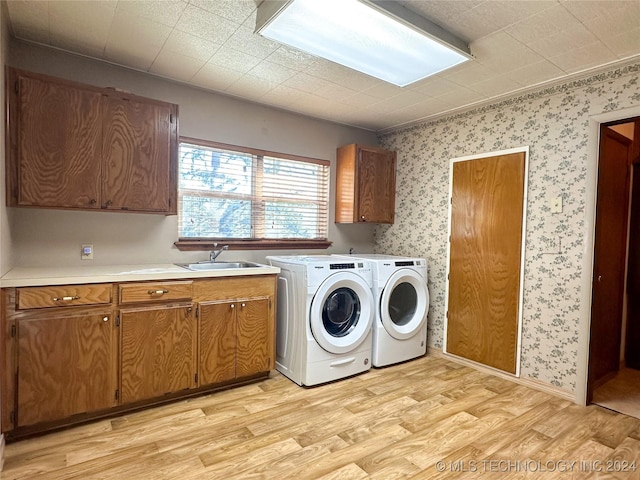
396	422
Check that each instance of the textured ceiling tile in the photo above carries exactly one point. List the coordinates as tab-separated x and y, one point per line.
548	23
272	72
166	12
625	44
215	77
82	27
468	72
283	96
335	92
403	100
615	22
359	100
207	25
235	10
583	58
383	90
495	86
503	14
135	31
176	66
434	86
306	83
190	45
250	86
244	40
234	60
291	58
535	73
461	96
138	56
573	37
586	10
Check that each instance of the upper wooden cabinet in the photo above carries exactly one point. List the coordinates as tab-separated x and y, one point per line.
78	146
365	185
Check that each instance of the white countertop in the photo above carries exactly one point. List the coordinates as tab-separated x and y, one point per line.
34	276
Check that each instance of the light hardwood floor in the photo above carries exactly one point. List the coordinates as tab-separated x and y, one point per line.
396	422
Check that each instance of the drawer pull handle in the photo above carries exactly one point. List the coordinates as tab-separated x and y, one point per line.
65	299
157	292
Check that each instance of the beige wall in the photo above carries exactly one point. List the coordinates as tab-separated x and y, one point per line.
53	237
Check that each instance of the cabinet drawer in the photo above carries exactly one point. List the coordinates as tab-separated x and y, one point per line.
63	296
155	292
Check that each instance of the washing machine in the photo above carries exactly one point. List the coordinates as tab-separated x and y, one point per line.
402	304
325	311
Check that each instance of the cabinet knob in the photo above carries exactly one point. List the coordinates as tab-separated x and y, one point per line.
363	218
242	305
108	203
233	306
105	319
93	201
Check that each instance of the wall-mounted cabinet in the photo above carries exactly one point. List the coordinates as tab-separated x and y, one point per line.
82	147
365	185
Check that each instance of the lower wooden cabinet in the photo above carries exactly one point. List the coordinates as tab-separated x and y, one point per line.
65	366
84	355
234	339
158	346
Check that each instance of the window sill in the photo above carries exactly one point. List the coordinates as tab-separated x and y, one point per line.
258	244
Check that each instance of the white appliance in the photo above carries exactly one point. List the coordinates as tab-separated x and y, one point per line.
402	304
324	315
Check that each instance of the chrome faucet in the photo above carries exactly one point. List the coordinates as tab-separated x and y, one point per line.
215	253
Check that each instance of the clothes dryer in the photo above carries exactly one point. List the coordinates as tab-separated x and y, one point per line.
402	303
325	310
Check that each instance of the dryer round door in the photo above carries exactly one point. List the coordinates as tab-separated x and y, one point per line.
342	312
404	304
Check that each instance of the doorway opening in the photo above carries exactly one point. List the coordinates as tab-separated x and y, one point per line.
614	349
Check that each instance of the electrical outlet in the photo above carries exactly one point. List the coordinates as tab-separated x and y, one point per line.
556	205
87	252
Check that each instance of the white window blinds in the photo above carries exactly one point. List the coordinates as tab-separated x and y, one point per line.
239	193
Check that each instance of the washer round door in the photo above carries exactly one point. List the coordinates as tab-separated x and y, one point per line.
342	312
404	304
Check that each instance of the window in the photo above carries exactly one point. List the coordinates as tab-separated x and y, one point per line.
250	198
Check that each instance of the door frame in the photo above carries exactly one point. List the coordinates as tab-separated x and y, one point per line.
591	198
523	149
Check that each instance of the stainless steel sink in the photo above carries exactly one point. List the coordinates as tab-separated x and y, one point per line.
217	265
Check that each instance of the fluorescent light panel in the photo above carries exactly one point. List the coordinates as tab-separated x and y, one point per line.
362	36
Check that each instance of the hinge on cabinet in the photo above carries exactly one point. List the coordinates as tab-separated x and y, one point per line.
117	394
198	311
195	378
13	330
171	118
117	320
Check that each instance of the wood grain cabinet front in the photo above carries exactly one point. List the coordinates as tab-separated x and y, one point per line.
365	185
235	339
65	366
83	147
158	346
77	352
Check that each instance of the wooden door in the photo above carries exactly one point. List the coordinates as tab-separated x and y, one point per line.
217	333
609	256
136	153
59	144
486	244
158	347
632	353
65	366
255	345
376	172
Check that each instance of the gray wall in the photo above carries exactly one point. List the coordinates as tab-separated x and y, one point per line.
42	237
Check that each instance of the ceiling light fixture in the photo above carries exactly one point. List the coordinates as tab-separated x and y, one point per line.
380	38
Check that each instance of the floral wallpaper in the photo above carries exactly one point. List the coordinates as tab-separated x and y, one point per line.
554	124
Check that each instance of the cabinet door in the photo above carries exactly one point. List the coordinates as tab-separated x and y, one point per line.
157	351
59	144
376	186
66	366
217	329
137	155
255	342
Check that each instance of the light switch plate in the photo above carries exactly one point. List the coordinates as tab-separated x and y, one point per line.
556	205
87	252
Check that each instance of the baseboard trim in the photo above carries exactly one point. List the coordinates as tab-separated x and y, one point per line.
527	382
